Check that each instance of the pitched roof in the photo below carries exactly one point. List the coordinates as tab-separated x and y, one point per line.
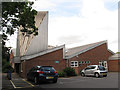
115	57
27	57
71	52
50	46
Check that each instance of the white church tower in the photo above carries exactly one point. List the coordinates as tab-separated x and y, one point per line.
28	45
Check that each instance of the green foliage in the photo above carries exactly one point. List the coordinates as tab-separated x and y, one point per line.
117	52
6	67
19	14
61	74
69	71
16	15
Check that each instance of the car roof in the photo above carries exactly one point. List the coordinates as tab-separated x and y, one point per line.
93	65
43	66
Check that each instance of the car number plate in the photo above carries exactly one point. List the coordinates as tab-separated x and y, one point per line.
104	74
49	77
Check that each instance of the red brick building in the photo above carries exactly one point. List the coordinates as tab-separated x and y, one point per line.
114	63
77	57
34	50
91	54
51	57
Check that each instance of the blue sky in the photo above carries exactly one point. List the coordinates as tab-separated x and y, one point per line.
80	22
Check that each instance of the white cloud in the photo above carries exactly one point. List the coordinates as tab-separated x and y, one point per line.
93	23
43	4
97	23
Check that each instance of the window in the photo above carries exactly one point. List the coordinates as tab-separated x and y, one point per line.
83	62
80	62
92	67
74	63
88	62
45	68
87	68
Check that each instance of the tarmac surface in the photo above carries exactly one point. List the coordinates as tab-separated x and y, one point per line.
111	82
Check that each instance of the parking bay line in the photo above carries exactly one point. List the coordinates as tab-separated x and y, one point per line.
13	84
28	82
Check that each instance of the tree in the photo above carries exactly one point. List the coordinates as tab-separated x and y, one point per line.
19	14
15	16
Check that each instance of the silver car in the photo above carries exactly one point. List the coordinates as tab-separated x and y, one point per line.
94	70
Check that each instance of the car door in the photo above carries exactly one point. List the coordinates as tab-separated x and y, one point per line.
87	70
92	70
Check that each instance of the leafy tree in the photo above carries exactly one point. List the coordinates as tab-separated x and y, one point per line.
16	16
19	14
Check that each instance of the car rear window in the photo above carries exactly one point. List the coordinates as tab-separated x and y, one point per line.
101	68
47	69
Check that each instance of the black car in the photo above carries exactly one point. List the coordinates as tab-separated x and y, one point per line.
39	74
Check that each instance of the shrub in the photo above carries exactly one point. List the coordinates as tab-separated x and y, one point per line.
70	71
61	74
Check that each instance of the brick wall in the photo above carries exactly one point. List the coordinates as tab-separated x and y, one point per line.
47	59
95	55
114	66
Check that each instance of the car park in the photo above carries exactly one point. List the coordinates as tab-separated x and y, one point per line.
94	70
40	74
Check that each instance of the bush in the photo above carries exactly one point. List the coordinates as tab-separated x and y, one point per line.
70	71
61	74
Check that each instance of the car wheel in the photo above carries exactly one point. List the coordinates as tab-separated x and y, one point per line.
97	75
82	74
36	80
55	81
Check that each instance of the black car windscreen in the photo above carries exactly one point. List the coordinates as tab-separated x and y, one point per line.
47	69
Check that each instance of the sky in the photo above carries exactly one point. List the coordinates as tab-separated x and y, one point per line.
79	22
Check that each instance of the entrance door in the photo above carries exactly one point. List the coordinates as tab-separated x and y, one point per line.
17	67
104	63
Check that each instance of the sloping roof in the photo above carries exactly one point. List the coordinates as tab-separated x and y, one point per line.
27	57
115	57
50	46
39	17
81	49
